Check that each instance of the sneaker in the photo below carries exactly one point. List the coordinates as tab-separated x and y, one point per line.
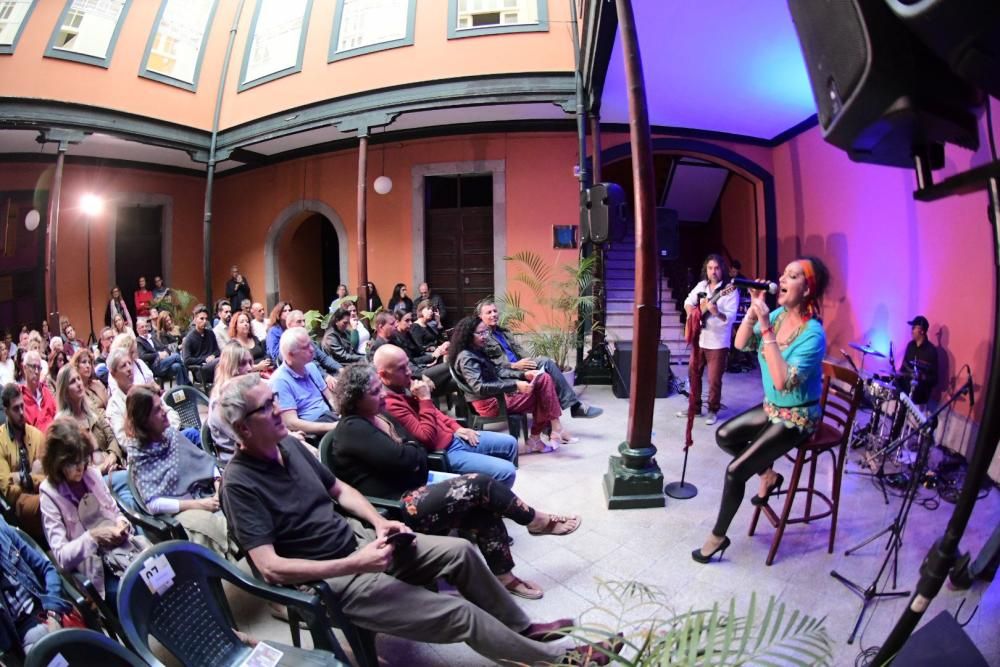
582	410
684	413
711	417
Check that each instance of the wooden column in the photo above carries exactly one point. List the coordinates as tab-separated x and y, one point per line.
362	220
51	295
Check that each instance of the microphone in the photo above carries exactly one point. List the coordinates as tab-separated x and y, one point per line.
767	286
849	360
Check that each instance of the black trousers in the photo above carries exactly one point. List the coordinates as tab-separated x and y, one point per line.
755	443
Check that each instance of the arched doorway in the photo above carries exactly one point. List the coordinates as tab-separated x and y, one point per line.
305	255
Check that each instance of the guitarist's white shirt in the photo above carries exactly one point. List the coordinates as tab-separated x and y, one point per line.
716	334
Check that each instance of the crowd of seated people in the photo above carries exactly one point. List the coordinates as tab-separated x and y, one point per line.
66	455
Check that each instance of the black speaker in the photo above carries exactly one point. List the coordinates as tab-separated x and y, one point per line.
668	237
965	33
881	94
607	212
584	215
621	370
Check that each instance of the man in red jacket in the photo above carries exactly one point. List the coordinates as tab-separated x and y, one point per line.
408	401
39	403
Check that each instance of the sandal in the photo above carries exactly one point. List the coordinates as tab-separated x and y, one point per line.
535	445
555	522
523	589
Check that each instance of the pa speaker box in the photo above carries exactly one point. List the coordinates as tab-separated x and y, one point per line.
668	238
942	641
607	212
882	95
965	33
621	371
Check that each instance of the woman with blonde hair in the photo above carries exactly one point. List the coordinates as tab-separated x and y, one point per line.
72	402
241	331
94	390
234	361
141	373
167	333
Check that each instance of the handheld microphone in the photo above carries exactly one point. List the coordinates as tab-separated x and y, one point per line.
767	286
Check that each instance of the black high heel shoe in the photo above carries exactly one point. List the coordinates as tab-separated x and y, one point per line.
760	501
721	549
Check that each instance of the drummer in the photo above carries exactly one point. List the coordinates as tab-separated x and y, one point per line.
920	363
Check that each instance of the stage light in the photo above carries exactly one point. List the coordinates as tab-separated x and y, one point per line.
383	185
91	204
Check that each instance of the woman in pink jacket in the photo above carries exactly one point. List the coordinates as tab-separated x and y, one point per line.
85	530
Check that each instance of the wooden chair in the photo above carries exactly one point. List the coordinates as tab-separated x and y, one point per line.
842	391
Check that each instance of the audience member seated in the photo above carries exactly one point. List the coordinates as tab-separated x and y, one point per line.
360	335
370	455
527	391
385	332
241	332
431	365
86	531
437	303
95	392
142	298
141	373
503	350
200	350
399	300
154	320
258	321
277	497
275	327
71	342
39	403
104	340
31	599
6	365
304	399
408	401
155	355
234	361
57	359
173	475
327	364
337	339
426	332
21	449
108	455
46	336
167	333
120	365
116	306
223	314
38	344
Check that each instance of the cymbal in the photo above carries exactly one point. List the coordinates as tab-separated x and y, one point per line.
867	349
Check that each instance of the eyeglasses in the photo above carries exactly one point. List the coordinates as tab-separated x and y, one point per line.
35	367
483	334
267	405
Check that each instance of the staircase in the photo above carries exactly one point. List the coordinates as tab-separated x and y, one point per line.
619	265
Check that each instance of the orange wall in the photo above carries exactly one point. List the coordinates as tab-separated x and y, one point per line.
541	192
112	185
28	74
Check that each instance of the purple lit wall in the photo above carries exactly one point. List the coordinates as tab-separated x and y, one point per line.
891	257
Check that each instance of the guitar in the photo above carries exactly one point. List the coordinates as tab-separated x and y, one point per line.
697	315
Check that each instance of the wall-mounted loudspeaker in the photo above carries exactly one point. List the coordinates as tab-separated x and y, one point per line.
882	95
606	205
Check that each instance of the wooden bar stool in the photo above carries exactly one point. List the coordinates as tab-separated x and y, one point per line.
842	392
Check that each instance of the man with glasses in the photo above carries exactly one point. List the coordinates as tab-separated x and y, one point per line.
21	449
304	399
39	403
276	497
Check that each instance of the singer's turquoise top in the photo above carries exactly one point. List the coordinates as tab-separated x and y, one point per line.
797	405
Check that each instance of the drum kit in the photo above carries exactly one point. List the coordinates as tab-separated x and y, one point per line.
882	397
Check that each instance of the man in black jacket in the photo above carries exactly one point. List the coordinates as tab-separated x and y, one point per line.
162	362
237	288
200	349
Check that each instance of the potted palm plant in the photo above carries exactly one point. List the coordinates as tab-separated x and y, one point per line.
562	304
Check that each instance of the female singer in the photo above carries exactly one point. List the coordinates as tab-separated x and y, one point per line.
791	344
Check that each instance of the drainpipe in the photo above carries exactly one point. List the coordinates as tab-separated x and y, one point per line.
206	233
581	134
53	229
362	219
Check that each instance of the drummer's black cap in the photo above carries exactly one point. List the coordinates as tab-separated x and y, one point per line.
920	321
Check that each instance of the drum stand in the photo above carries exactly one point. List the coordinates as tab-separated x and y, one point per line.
874	427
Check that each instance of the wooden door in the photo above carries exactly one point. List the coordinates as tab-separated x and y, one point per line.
458	242
138	251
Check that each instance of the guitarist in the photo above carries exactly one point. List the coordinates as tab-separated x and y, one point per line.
710	308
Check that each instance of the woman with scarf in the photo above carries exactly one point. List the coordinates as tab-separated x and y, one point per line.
791	344
172	474
83	525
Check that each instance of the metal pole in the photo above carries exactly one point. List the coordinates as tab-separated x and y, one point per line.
90	295
597	328
363	219
52	300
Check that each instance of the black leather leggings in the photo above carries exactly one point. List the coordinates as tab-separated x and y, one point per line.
755	443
